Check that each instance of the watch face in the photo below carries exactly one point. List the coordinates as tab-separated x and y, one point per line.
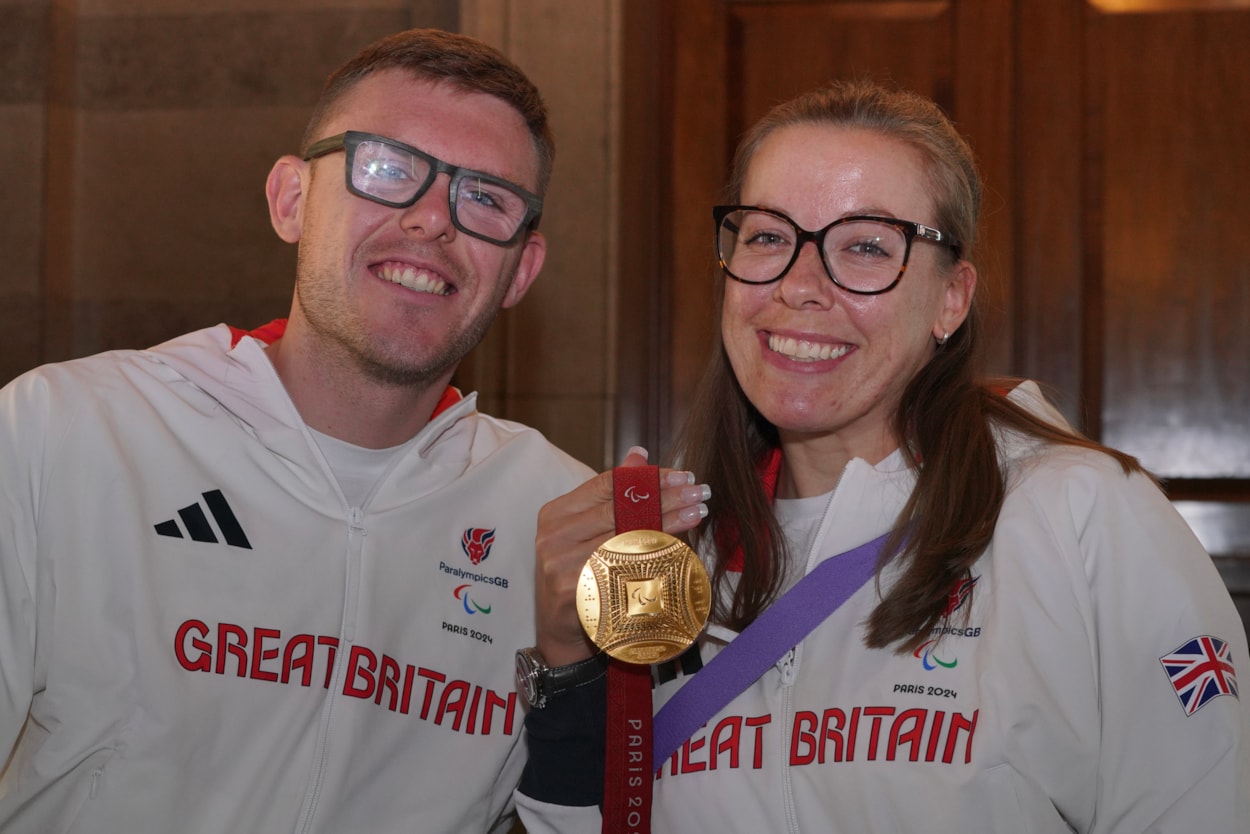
527	677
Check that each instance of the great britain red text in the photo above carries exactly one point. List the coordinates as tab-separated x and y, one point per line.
309	660
831	736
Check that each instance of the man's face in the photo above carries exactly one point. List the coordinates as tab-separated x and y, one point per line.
401	294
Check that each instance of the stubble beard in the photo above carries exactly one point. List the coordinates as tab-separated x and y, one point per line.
378	367
349	339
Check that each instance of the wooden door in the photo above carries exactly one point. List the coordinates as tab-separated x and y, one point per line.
1111	136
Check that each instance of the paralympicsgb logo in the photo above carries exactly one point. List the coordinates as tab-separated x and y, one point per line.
959	595
476	543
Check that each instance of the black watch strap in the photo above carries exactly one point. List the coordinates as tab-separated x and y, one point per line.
541	682
564	678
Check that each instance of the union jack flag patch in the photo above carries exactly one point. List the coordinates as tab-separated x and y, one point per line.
1200	670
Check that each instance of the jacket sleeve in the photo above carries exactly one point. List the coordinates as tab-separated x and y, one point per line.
19	489
1172	758
562	785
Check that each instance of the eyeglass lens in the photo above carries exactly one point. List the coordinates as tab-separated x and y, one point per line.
481	205
864	255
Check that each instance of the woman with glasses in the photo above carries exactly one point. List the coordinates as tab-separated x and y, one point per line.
1035	641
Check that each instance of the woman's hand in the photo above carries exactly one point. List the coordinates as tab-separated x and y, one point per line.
572	527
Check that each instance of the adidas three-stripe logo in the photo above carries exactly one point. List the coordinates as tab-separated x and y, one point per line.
198	528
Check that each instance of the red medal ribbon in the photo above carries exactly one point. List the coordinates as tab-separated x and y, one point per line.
628	774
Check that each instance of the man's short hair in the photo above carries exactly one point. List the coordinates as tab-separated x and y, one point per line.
465	63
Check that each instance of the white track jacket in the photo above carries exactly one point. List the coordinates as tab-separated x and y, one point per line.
1084	681
199	636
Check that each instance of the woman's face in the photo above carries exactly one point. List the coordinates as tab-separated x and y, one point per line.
816	360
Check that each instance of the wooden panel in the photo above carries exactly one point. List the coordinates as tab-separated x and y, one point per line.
908	42
1048	117
1171	238
699	162
985	70
642	310
1167	5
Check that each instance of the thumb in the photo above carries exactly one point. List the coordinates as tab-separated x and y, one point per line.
636	456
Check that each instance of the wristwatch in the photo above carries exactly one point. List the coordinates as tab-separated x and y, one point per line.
541	683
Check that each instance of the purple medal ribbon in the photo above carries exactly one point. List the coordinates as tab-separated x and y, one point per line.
780	628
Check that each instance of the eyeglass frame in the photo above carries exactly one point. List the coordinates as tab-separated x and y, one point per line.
910	230
349	140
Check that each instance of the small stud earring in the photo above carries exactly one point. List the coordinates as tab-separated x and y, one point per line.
942	341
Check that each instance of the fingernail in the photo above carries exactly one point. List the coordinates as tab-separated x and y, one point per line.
638	450
701	492
678	478
689	514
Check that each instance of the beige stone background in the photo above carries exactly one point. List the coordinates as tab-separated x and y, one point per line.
135	137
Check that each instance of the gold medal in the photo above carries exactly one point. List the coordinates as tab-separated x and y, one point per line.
643	597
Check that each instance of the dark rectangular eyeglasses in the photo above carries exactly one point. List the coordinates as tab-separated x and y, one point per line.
862	254
394	174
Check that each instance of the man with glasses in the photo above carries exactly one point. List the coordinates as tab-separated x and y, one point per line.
273	580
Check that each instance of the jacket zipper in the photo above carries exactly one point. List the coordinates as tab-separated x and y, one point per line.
355	533
786	666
